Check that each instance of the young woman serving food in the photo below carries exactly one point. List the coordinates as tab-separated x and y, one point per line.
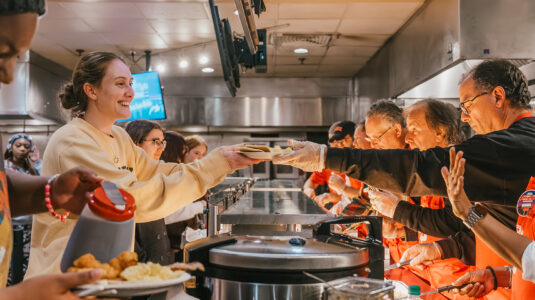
99	94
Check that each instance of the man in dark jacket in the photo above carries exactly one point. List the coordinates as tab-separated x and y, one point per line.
494	100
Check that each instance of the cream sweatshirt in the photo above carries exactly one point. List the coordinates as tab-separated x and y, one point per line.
159	188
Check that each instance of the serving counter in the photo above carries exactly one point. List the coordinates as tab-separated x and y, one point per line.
272	207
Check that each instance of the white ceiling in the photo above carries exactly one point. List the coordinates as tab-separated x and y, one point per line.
183	29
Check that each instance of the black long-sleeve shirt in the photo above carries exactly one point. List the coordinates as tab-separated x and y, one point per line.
498	167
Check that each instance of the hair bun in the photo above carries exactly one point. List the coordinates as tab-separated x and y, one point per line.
67	97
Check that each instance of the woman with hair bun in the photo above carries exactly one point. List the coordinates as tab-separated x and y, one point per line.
99	94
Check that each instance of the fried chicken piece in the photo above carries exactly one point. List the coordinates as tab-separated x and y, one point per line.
87	261
127	259
109	272
116	264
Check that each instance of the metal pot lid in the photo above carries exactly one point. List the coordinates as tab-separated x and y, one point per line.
287	253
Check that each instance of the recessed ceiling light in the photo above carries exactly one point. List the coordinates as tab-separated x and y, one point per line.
203	60
236	12
160	68
183	64
208	70
300	50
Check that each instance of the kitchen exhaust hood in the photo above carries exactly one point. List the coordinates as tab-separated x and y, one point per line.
444	40
31	98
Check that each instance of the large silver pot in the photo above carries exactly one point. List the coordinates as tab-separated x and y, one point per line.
249	267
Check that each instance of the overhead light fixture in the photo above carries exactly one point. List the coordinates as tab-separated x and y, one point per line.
236	12
203	59
207	70
183	64
300	51
160	68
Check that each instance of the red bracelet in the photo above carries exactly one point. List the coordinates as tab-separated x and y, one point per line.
62	217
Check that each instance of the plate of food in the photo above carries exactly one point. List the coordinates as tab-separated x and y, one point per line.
262	151
124	276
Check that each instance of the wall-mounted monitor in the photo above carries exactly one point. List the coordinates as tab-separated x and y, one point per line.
148	100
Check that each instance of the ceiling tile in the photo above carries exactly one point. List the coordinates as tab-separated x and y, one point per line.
382	10
136	40
351	51
57	10
339	68
50	25
104	10
183	26
119	25
343	60
179	39
308	69
373	40
370	26
311	10
294	60
173	10
309	25
80	40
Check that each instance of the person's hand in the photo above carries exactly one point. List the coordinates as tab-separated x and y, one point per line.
392	229
51	287
235	159
422	254
454	178
309	192
203	203
483	283
383	202
71	190
306	156
325	198
337	183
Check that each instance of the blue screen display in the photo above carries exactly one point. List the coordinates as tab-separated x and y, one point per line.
148	99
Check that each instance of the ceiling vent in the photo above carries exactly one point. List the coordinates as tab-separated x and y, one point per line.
279	39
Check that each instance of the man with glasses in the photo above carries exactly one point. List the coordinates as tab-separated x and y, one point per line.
500	157
385	126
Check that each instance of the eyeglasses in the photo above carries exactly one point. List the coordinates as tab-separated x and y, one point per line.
377	139
157	142
463	107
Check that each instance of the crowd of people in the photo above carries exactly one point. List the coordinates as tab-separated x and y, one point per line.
458	208
450	204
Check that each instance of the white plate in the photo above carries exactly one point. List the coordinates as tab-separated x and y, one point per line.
130	288
262	155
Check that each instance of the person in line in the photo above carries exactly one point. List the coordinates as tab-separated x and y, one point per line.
430	123
178	221
100	94
512	246
197	148
151	242
17	154
70	190
494	100
35	158
17	159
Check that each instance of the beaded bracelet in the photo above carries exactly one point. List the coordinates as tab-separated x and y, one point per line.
62	217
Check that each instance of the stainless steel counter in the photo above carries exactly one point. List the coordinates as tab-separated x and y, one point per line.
275	205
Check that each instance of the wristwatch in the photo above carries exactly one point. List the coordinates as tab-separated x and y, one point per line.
477	212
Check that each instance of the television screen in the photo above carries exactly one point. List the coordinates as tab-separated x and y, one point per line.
224	38
148	99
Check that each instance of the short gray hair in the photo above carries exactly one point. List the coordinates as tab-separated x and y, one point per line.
388	110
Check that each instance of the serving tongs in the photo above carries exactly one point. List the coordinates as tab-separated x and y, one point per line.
397	265
446	288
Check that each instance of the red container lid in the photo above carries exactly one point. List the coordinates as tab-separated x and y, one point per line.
102	206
